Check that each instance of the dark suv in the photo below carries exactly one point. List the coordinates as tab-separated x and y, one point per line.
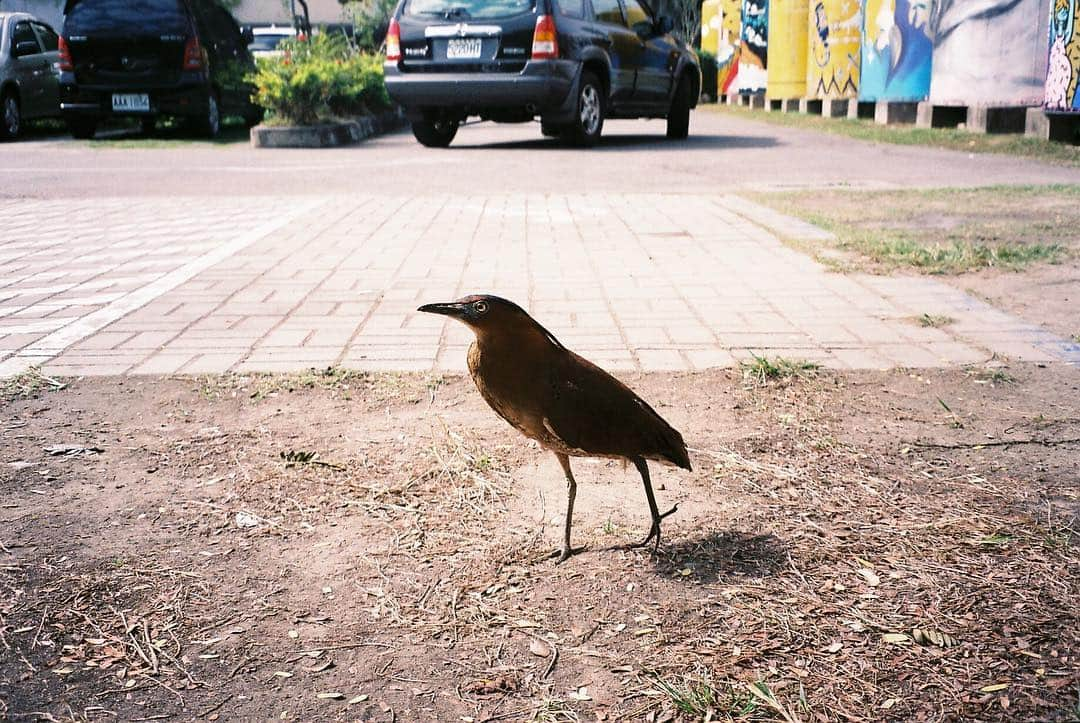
573	63
183	58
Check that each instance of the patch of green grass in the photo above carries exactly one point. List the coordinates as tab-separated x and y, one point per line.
992	376
939	231
697	695
950	138
761	369
172	134
27	385
553	710
934	321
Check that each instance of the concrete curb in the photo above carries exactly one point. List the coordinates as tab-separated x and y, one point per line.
326	135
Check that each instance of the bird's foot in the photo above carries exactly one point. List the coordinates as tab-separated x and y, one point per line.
654	531
565	553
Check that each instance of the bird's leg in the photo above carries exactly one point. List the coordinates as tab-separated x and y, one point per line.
654	531
571	493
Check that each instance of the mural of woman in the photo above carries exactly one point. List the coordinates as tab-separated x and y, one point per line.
1061	75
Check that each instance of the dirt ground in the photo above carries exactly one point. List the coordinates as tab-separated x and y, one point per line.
849	546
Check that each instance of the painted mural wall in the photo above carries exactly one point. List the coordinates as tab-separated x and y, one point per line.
754	54
896	50
988	52
835	36
787	48
728	45
1064	64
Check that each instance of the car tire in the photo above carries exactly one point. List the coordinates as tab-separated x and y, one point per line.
435	134
678	119
208	125
10	117
589	121
81	128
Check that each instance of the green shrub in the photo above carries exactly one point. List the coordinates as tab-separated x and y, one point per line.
319	80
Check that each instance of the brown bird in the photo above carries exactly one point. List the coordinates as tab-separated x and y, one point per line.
563	401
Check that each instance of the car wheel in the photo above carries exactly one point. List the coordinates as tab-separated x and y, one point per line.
81	128
586	128
435	134
11	123
208	125
678	119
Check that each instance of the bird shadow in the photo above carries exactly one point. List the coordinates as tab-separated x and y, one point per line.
722	555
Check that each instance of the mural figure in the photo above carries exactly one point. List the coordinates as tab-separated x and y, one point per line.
753	58
896	50
728	44
1064	64
835	35
989	52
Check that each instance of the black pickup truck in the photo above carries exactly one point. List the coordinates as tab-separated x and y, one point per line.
572	63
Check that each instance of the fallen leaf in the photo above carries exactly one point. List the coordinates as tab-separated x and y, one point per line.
870	576
835	647
330	696
926	636
896	638
993	688
358	699
539	649
282	674
526	624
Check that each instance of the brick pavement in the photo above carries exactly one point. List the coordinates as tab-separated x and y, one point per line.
632	281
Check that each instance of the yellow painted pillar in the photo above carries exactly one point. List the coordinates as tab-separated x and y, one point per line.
711	19
834	42
787	48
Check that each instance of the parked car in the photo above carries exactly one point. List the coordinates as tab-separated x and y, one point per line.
184	58
28	72
266	41
572	63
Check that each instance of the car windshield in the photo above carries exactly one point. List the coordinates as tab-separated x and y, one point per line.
123	16
468	9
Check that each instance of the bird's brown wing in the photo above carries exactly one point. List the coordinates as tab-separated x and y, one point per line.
591	411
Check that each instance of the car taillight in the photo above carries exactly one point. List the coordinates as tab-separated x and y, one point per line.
545	42
66	63
393	41
193	55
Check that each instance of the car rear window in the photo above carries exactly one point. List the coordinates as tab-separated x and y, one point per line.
468	9
125	16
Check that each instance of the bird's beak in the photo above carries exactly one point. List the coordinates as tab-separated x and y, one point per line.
455	310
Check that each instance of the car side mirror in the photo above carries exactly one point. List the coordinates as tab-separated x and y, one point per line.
664	25
26	47
248	36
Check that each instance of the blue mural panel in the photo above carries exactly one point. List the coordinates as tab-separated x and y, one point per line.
897	52
754	54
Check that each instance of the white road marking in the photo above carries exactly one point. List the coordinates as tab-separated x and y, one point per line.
53	344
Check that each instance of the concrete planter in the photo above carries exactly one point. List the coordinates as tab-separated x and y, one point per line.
326	135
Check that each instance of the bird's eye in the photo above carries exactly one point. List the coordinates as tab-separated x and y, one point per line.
481	307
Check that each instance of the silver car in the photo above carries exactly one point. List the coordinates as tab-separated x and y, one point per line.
29	72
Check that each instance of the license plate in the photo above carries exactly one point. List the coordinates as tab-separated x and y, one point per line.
131	102
463	48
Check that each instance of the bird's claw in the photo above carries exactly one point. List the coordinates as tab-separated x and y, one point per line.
654	531
564	554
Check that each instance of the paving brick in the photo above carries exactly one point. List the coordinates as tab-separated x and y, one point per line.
633	281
